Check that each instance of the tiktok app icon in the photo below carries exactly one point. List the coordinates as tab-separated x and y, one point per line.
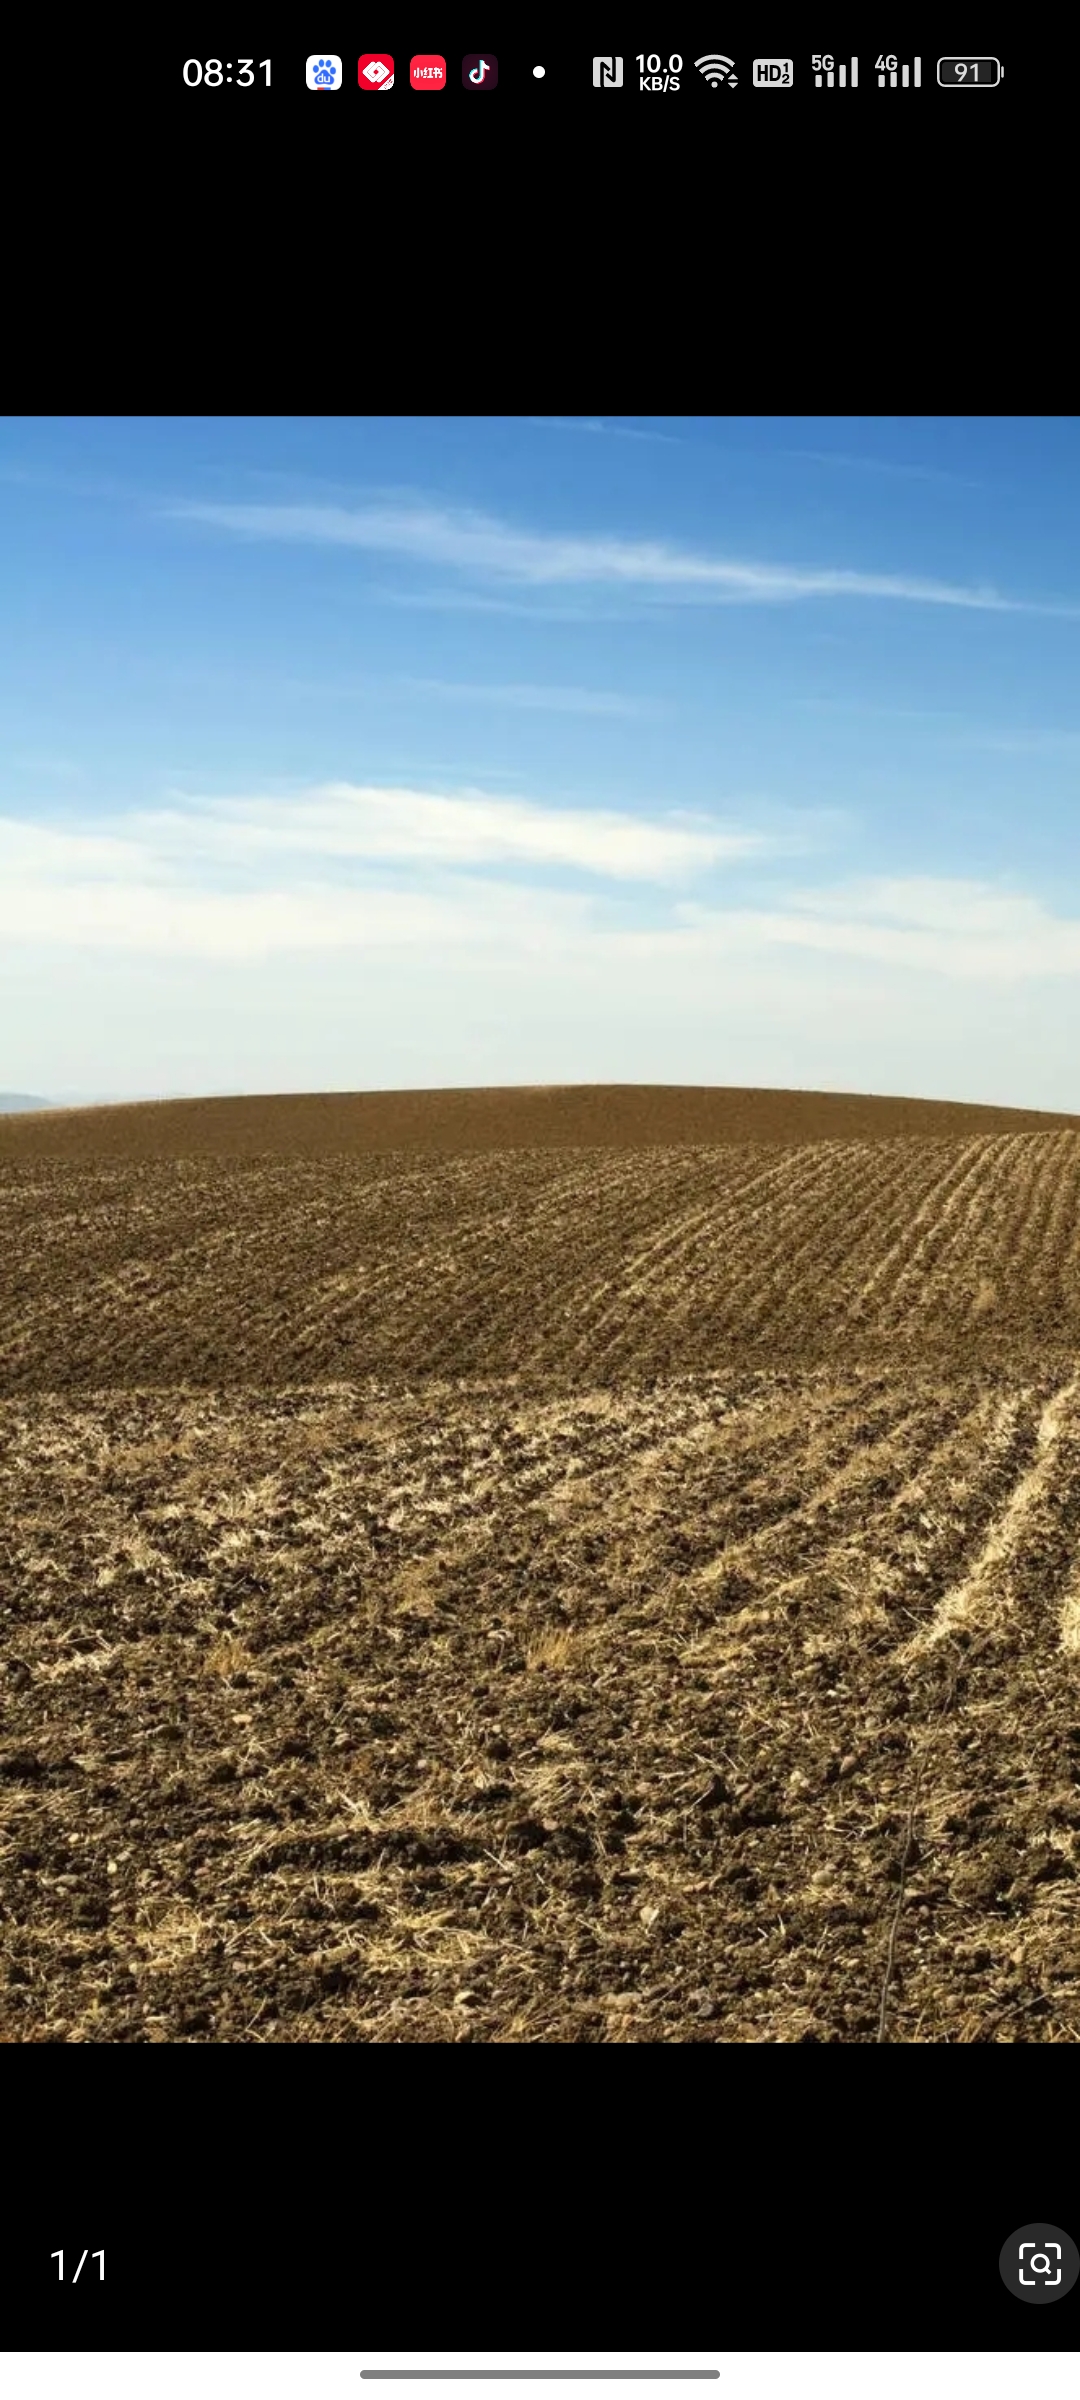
480	74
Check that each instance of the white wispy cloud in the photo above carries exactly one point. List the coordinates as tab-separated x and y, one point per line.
562	699
1032	740
428	829
48	762
484	545
130	916
932	903
886	466
539	606
626	433
383	870
942	925
241	875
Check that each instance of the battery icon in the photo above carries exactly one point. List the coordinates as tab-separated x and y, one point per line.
969	74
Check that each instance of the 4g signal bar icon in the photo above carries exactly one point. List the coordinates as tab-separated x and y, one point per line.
889	68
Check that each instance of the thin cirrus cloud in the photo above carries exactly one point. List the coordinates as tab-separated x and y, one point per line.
945	925
482	545
886	466
562	699
931	903
624	433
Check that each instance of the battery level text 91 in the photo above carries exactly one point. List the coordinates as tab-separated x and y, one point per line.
971	74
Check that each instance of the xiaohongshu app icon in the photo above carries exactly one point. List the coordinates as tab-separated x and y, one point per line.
427	73
324	74
375	72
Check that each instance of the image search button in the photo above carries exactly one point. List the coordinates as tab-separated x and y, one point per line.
1039	2263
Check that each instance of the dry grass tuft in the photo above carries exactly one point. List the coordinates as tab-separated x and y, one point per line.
552	1649
227	1656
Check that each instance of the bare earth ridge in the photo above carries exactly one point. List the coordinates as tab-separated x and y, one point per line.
515	1117
558	1566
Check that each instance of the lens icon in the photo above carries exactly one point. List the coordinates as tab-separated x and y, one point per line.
1039	2263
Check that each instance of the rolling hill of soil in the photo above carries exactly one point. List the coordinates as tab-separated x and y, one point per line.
551	1117
558	1590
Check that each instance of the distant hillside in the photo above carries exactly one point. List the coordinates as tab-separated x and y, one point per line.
12	1102
625	1116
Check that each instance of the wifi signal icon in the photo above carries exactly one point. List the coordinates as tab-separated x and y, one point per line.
716	69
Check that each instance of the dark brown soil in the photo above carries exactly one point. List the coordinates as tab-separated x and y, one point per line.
339	1716
558	1117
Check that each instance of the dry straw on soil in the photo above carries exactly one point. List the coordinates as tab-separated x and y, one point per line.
615	1587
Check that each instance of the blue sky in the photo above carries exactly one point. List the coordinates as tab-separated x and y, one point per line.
359	753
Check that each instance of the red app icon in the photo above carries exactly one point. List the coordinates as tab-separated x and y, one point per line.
375	72
427	74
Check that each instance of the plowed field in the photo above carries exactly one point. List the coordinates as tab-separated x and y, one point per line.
604	1591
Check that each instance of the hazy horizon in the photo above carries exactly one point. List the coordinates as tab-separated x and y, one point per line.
375	754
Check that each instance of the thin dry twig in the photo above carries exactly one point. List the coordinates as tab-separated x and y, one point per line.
899	1900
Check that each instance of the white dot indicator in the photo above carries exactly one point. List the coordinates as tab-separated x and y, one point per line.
538	71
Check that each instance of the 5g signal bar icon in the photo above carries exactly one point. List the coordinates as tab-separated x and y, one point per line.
716	69
832	71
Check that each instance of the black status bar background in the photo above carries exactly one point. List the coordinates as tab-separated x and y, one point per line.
561	134
673	39
658	76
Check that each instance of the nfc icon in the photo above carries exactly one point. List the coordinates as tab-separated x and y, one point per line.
607	72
